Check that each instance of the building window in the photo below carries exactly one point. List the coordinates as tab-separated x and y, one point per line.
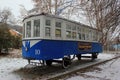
37	28
48	23
47	31
28	29
58	32
58	24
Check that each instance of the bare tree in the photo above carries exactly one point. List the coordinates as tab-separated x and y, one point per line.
23	14
4	15
56	7
42	5
103	15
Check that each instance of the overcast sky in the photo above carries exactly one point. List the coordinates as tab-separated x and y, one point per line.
14	5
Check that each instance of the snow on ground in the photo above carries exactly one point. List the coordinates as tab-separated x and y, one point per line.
7	67
107	71
102	56
106	55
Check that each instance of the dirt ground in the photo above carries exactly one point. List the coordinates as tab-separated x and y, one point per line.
12	53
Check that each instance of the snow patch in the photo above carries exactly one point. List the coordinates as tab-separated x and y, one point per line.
107	71
30	66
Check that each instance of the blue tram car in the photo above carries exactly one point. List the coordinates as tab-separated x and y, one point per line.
48	37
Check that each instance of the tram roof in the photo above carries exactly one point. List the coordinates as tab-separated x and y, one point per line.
58	17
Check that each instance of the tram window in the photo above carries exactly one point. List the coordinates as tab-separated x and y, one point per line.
68	27
48	23
79	29
83	36
37	28
58	24
90	34
97	36
83	30
74	35
94	38
68	34
28	29
87	36
47	31
74	28
58	32
79	36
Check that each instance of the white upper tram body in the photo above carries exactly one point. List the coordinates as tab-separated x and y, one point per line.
56	28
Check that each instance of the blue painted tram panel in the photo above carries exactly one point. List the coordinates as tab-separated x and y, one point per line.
54	49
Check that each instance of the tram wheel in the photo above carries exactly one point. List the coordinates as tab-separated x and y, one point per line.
66	62
94	56
48	62
78	56
28	61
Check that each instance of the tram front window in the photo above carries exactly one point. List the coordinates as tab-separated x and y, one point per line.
37	28
28	29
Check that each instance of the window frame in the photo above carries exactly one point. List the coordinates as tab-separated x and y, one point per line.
47	22
47	32
28	30
56	33
48	28
24	30
58	24
68	31
74	35
68	34
59	28
35	32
